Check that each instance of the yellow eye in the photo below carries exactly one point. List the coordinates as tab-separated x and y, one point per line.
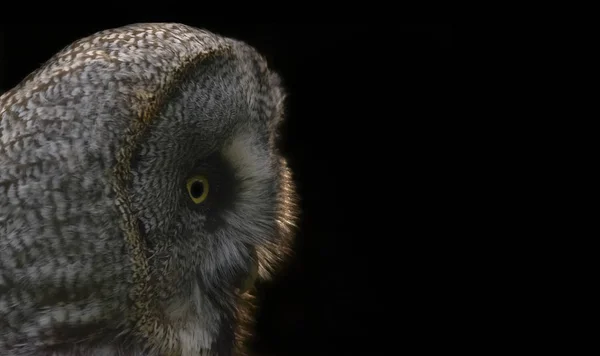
197	187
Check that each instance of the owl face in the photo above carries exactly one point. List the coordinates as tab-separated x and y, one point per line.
212	194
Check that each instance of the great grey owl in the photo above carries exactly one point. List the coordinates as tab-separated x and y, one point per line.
141	192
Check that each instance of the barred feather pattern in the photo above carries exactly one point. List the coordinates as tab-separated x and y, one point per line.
102	251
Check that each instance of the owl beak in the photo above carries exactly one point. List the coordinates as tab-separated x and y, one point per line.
250	279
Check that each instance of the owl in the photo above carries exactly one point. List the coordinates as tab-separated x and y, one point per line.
142	193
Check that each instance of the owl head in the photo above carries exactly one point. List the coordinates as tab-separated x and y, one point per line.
212	196
161	195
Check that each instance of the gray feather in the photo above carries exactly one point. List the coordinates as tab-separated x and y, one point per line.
102	251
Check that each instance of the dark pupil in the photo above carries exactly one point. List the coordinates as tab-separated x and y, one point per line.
197	189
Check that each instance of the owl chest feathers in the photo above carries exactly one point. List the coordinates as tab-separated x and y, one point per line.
192	323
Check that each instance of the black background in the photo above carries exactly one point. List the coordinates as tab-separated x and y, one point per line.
370	137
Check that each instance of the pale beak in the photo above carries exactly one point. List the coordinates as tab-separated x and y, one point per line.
249	281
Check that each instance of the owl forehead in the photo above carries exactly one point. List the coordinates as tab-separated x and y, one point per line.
222	95
194	87
141	62
219	108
